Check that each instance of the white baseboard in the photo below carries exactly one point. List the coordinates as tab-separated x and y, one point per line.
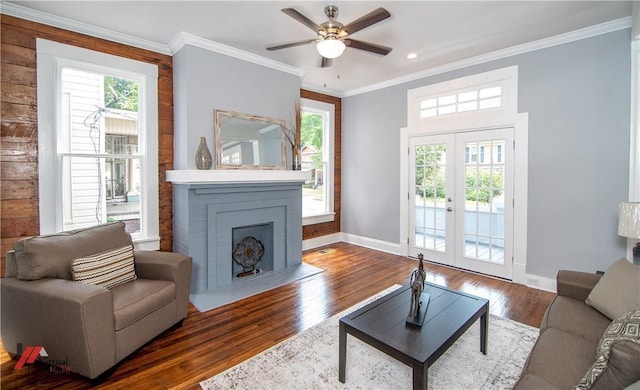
519	273
541	283
372	243
317	242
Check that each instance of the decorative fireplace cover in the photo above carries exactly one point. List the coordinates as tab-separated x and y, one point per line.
248	252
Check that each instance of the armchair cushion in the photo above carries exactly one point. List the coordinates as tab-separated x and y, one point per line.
135	300
618	291
107	269
50	256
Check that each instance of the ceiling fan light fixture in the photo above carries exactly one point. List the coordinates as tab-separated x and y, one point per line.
330	47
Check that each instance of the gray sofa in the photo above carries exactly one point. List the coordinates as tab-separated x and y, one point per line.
89	326
573	330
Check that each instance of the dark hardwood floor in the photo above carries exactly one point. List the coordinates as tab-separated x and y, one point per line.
209	343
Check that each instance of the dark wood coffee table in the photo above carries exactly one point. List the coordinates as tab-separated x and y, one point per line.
382	324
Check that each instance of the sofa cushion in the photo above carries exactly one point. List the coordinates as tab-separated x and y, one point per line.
618	291
107	269
135	300
533	382
617	363
50	256
575	317
560	358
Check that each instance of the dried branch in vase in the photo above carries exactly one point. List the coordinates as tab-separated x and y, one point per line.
292	134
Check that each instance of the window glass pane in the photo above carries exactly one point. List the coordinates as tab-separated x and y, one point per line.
100	116
446	109
84	193
314	200
428	103
467	96
490	103
446	100
468	106
490	92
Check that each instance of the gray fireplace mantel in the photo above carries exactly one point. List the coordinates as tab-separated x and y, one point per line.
209	204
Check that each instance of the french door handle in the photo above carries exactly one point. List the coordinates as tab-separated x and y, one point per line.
449	209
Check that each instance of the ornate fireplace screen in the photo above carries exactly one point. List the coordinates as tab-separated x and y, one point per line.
245	141
248	253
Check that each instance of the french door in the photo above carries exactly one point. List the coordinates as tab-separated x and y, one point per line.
461	200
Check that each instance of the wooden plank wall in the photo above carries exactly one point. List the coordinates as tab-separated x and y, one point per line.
19	214
321	229
19	133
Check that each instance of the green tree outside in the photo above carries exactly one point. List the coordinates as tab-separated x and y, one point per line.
430	177
121	94
311	135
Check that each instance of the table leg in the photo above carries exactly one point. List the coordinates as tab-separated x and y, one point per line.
419	376
342	353
484	328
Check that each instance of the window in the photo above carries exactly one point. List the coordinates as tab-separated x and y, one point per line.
476	99
316	139
488	94
471	154
97	142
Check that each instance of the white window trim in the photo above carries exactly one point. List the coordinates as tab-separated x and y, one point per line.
51	57
329	139
507	116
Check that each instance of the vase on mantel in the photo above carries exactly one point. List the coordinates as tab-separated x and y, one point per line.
203	156
296	154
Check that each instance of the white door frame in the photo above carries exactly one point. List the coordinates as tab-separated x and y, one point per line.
520	124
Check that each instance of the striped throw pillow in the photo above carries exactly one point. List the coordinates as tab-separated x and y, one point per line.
107	269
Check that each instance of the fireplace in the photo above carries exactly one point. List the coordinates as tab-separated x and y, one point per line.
242	218
214	210
252	250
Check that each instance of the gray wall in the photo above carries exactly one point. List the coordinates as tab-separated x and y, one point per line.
578	99
205	80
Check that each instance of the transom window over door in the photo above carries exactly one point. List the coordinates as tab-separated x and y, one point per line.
98	148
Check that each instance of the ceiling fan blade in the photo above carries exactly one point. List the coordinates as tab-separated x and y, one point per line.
372	47
367	20
292	44
326	62
301	18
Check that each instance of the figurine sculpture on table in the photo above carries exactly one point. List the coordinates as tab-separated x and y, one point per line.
419	299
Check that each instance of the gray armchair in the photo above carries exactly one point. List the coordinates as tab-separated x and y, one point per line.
89	326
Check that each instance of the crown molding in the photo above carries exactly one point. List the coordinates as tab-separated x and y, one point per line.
187	39
184	38
80	27
587	32
323	90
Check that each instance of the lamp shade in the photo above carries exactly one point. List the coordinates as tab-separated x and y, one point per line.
330	47
629	219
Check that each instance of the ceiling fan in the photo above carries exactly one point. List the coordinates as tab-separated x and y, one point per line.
333	36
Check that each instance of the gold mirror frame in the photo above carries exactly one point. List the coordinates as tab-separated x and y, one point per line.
241	139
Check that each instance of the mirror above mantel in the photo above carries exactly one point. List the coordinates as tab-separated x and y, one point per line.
245	141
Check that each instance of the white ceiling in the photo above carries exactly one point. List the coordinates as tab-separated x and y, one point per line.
440	32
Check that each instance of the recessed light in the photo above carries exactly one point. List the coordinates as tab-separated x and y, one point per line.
412	56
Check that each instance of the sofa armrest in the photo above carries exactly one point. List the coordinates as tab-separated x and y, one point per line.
73	321
171	266
576	284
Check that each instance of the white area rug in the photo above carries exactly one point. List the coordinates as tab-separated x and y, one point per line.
309	360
